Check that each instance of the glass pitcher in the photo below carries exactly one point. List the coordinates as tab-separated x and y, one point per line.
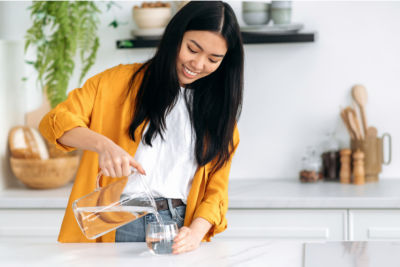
107	208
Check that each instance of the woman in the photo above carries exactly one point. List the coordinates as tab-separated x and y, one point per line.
176	114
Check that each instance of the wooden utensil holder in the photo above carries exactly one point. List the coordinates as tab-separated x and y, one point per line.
373	150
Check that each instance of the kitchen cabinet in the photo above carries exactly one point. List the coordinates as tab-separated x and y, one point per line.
30	222
305	224
26	213
282	224
314	224
374	224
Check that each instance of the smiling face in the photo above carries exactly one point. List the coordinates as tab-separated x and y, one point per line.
200	54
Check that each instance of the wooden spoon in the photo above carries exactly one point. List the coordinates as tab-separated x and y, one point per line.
360	95
346	123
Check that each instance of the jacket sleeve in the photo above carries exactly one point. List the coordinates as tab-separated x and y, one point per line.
214	204
75	111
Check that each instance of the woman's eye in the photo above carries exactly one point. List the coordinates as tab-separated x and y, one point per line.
213	61
191	50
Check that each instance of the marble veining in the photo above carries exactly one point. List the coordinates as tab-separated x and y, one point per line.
244	252
353	254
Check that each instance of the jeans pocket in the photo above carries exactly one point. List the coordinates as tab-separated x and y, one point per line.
180	214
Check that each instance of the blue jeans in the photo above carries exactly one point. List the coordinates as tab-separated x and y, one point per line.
136	231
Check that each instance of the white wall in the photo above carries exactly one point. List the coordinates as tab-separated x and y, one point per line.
292	91
12	101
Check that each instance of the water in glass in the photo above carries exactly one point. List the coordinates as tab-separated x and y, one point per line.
160	237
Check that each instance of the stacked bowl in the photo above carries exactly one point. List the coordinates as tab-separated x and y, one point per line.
255	13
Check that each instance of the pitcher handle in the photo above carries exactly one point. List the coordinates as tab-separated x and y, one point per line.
389	137
100	174
98	179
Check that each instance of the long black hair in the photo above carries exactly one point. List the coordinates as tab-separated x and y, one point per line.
216	99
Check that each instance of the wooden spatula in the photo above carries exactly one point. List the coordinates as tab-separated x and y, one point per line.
353	123
360	95
357	122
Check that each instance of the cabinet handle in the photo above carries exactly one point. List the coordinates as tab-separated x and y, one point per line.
389	138
29	231
383	233
280	232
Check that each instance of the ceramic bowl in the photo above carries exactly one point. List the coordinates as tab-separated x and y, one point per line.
254	6
255	17
151	17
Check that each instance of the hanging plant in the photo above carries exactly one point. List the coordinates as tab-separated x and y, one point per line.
61	29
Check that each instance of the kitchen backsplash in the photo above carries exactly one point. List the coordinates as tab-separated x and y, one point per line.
293	92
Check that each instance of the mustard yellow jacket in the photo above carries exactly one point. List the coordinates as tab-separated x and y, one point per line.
103	106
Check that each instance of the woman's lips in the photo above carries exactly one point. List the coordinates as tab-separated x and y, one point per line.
188	73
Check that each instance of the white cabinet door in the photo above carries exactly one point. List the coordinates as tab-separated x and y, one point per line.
30	222
374	224
287	224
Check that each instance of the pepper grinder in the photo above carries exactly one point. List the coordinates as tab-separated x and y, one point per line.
358	167
345	166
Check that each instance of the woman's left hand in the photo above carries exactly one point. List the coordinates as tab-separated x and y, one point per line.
186	240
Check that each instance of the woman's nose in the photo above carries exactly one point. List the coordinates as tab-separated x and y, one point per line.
198	64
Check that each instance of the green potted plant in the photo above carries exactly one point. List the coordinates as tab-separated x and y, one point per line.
61	29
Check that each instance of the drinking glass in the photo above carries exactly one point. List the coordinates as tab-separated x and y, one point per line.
160	237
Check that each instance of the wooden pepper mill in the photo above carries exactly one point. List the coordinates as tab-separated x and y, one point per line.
345	166
358	167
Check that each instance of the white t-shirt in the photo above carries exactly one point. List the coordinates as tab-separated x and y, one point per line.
170	164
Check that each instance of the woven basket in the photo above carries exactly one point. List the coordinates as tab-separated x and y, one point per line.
45	174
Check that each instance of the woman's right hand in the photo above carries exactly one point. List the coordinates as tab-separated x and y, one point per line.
115	161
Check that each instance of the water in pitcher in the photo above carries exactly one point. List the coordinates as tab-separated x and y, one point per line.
97	221
107	208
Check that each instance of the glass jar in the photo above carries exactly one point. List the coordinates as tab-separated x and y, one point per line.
330	158
311	166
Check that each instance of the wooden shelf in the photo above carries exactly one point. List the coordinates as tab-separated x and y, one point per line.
248	38
251	38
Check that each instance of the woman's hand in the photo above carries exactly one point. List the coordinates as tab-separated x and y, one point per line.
115	161
189	238
186	240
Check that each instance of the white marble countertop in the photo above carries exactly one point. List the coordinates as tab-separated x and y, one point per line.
250	193
219	253
257	193
249	252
